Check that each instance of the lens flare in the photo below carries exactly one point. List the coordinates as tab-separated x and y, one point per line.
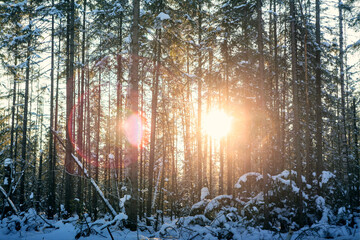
134	129
217	124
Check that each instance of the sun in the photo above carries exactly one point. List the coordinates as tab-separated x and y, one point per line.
217	124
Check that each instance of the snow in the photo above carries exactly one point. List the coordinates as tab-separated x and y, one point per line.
121	216
240	6
7	162
215	203
6	181
244	177
325	177
341	210
127	39
199	205
113	212
281	178
354	45
122	202
163	16
204	193
196	227
102	62
80	165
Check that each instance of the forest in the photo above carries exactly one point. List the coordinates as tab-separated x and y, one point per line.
171	119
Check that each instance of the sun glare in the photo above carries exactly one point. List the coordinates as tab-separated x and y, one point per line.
217	124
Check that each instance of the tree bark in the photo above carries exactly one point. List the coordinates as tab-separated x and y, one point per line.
199	142
25	119
69	192
296	120
51	171
153	124
132	209
318	109
344	144
262	107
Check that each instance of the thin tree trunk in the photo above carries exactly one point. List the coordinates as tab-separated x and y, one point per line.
13	109
153	125
344	145
118	133
318	109
9	168
80	130
307	102
296	121
188	161
277	154
228	150
25	120
356	149
51	171
39	183
199	143
262	106
97	160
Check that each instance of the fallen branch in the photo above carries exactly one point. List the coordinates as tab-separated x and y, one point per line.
112	238
115	221
100	193
9	200
50	225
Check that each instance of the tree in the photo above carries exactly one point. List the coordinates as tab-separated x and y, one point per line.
296	120
70	50
132	209
154	102
319	130
51	180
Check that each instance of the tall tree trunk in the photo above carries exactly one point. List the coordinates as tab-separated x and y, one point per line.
132	209
56	111
228	142
344	145
277	153
221	150
153	124
81	102
356	149
88	137
318	109
142	160
69	165
211	57
9	168
25	119
296	121
221	173
187	143
13	108
307	101
118	133
97	151
262	107
51	171
39	183
199	143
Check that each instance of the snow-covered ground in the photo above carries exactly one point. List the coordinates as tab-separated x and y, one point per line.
30	226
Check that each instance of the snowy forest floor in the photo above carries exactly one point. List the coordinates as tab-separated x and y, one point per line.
31	226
